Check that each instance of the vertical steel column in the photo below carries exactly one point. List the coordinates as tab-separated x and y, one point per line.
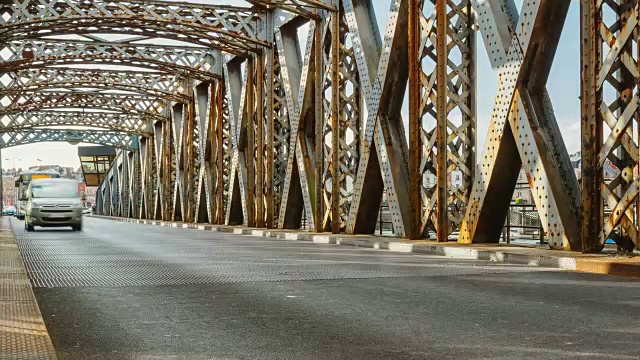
591	126
610	98
270	118
1	181
220	171
259	123
167	171
213	151
188	145
319	123
415	127
625	89
335	118
250	145
442	185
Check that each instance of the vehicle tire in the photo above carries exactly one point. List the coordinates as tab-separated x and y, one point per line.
30	228
77	228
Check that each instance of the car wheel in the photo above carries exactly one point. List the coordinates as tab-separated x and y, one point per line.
30	228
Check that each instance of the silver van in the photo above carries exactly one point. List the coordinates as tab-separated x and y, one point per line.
53	203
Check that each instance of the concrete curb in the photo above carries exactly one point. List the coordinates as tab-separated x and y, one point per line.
600	265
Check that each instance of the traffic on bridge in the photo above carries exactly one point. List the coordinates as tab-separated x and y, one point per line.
319	179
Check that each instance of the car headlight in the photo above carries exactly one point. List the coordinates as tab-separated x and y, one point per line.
78	204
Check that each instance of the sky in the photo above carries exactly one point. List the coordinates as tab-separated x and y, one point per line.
563	87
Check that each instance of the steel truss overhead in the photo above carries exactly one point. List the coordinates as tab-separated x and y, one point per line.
152	84
253	129
227	28
102	137
194	62
127	123
137	105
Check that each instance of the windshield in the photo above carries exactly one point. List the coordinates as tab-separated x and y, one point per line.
54	189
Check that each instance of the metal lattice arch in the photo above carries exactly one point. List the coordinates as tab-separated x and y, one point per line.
240	120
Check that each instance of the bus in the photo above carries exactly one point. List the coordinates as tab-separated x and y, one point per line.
22	182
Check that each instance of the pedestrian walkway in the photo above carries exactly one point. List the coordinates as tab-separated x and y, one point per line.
608	262
23	334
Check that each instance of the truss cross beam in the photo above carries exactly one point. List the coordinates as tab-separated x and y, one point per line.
227	28
110	121
137	105
102	137
193	62
163	85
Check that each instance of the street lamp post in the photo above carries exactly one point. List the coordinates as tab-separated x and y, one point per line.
2	178
13	162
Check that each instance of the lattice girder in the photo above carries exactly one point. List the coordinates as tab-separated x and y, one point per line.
192	62
443	119
102	137
609	120
113	121
307	8
229	28
167	86
141	106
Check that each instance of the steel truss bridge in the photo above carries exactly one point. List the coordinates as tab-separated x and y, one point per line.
234	122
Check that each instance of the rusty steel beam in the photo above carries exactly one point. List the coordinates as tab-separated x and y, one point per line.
609	66
269	127
296	84
523	124
415	128
259	141
229	28
106	120
193	62
102	137
221	124
335	118
442	59
168	86
319	124
307	8
382	171
142	106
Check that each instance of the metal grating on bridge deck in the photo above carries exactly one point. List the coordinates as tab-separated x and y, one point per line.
176	256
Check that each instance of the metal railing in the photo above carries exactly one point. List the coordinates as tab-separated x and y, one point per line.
524	217
384	225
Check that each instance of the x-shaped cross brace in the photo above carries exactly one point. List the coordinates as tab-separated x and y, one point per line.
522	122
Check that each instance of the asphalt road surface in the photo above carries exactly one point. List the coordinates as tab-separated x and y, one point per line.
127	291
